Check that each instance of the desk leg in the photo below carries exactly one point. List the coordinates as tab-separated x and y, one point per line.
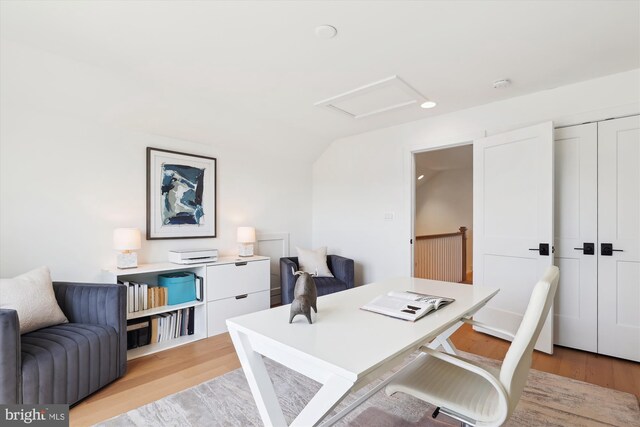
323	402
259	380
444	340
360	400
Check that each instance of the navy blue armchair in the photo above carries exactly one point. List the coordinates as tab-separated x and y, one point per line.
65	363
340	267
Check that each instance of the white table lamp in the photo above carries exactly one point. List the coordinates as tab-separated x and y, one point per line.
246	237
126	240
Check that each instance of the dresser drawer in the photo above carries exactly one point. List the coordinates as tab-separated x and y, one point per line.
229	280
221	310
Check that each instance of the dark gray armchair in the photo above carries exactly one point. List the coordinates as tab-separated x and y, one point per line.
340	267
67	362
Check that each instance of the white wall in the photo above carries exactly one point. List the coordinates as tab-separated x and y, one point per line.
444	203
360	178
68	177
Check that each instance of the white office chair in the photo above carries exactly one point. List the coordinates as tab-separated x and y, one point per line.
470	393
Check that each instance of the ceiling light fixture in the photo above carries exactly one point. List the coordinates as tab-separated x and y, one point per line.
420	177
326	31
502	83
428	104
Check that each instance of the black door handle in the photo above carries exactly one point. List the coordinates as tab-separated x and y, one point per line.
587	248
543	248
606	249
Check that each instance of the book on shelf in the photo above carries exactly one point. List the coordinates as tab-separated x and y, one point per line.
162	295
142	296
154	330
145	291
152	297
185	324
190	313
406	305
163	322
129	297
171	325
136	298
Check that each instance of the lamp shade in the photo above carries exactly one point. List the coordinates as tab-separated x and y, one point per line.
246	234
126	239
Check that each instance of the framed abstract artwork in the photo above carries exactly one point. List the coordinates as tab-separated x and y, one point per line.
181	195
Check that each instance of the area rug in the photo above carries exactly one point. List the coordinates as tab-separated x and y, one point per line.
548	400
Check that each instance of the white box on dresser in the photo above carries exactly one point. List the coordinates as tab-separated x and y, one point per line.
236	286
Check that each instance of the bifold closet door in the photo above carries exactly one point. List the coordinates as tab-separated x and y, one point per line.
619	238
576	235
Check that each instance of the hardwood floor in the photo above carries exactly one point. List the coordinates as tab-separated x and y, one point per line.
153	377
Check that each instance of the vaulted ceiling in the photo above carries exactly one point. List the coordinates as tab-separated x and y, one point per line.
246	72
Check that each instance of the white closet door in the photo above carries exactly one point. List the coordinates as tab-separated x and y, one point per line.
513	215
576	236
619	226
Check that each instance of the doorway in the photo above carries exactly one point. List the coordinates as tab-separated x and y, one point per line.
443	214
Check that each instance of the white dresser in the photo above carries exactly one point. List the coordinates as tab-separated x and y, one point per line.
235	286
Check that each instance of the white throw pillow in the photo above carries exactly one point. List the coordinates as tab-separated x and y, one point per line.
31	295
314	260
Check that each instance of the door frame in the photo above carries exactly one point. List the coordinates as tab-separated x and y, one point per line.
410	165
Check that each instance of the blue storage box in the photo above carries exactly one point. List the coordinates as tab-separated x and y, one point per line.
181	285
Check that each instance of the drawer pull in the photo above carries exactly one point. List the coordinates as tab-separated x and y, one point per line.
241	263
242	296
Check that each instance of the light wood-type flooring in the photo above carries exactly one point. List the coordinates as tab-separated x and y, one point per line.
153	377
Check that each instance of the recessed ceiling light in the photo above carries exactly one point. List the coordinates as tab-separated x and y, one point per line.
420	177
428	104
326	31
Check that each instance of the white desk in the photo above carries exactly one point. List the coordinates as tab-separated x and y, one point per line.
345	347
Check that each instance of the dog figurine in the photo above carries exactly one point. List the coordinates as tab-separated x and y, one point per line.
305	296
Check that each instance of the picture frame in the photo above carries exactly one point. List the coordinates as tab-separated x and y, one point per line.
181	195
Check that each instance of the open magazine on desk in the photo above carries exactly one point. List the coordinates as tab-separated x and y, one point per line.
406	305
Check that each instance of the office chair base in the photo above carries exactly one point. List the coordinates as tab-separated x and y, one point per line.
464	421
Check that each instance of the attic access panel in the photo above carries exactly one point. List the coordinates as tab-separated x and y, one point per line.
384	95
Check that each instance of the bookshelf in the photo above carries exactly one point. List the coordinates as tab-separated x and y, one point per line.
223	280
148	273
